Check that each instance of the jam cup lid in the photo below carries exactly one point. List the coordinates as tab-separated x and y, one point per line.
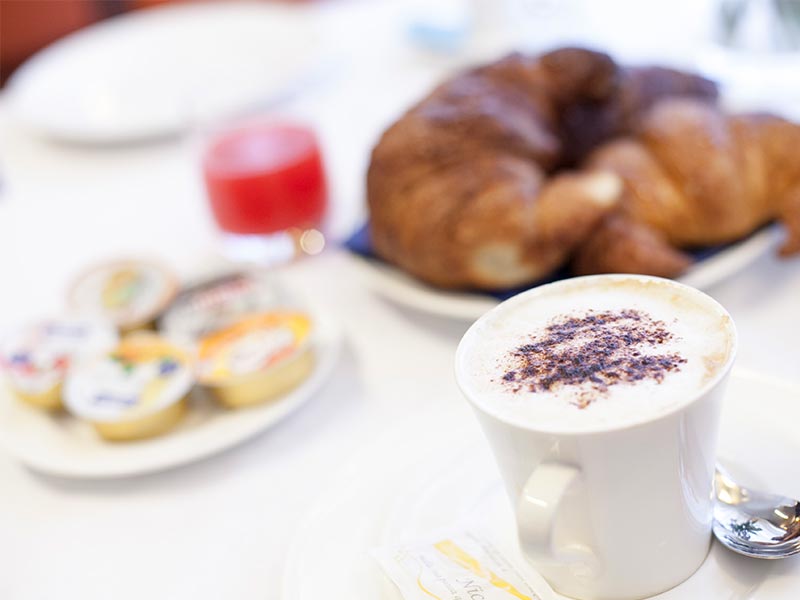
254	344
215	303
37	356
131	293
142	375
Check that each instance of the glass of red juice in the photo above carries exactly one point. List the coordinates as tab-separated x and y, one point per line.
267	190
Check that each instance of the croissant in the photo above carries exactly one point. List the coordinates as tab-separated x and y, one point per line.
473	186
693	176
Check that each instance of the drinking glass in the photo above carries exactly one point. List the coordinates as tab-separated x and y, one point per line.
267	189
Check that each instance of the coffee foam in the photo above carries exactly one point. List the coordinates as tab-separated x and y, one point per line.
693	344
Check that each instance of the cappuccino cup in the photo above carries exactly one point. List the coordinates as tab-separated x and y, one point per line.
600	397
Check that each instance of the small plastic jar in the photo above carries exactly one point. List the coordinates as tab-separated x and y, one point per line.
257	358
129	293
37	357
137	390
215	303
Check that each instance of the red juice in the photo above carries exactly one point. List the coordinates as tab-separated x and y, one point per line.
266	179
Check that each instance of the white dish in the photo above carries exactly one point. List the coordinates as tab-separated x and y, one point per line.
155	72
64	446
443	477
397	286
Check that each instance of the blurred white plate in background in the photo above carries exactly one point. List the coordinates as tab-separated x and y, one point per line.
155	72
64	446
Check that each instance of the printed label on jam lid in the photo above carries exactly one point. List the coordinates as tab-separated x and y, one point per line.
127	292
217	303
36	357
252	344
142	375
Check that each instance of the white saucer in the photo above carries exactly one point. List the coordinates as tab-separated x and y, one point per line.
63	446
155	72
435	472
397	286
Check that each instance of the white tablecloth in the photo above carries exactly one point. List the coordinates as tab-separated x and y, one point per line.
220	528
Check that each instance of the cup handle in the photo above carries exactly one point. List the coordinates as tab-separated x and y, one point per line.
537	510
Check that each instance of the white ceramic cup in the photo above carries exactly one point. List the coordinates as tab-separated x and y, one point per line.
616	513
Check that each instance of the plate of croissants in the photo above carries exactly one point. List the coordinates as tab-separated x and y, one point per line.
536	168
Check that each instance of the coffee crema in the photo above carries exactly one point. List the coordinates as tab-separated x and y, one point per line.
592	352
595	352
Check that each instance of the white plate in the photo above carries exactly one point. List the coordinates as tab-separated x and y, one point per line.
67	447
435	472
155	72
397	286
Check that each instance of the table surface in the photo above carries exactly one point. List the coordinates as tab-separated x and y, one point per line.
221	527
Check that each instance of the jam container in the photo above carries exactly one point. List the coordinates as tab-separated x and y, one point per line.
36	357
257	358
130	293
216	303
134	391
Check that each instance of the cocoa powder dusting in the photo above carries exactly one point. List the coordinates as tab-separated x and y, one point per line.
592	352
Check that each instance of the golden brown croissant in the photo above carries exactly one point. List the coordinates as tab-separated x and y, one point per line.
460	189
587	124
694	176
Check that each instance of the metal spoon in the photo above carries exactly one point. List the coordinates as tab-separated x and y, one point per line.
754	523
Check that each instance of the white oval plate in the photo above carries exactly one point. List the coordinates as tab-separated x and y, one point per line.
436	473
64	446
397	286
155	72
